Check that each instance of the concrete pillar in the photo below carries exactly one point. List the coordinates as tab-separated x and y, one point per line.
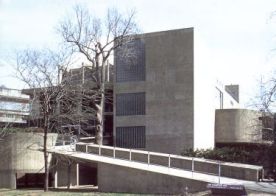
69	175
13	181
8	179
56	179
77	175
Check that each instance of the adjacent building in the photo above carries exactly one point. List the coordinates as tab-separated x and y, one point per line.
82	77
14	107
74	113
21	163
226	96
243	127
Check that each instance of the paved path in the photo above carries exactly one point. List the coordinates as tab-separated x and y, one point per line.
261	187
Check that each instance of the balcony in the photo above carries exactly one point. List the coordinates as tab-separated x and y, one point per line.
13	116
13	95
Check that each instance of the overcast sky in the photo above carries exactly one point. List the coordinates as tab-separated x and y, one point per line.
239	34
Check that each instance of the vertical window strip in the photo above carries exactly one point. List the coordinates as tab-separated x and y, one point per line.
130	67
131	137
130	104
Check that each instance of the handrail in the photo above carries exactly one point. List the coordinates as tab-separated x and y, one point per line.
167	160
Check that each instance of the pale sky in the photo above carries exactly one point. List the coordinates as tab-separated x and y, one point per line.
239	34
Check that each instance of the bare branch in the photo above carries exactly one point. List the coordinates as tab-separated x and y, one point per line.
96	40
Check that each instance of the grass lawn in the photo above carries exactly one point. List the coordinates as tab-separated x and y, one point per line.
37	192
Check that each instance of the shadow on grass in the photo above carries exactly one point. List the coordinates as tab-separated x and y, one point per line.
82	189
75	189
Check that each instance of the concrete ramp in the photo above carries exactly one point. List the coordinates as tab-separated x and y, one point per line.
136	171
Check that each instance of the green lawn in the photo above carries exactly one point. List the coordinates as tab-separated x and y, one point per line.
35	192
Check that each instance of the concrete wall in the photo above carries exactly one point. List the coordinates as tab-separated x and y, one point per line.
238	126
62	173
169	92
180	89
81	173
19	155
118	179
7	179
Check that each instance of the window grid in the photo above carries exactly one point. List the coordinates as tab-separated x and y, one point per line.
130	62
130	104
131	137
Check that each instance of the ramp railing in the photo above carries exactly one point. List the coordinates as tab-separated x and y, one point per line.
199	165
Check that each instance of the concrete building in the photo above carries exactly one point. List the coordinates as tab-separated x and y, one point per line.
83	78
164	101
75	112
14	107
226	96
242	127
165	95
21	164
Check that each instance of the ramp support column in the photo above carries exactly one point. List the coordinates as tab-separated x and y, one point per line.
77	175
56	179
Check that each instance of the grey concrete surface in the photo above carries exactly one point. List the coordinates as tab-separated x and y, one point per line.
238	126
62	173
261	188
119	175
169	91
19	154
226	169
143	182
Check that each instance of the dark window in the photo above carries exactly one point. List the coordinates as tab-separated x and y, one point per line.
130	62
130	104
267	134
131	137
108	101
108	125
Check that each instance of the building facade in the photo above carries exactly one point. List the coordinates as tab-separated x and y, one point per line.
164	96
22	164
14	107
236	127
226	96
74	113
155	93
82	78
164	100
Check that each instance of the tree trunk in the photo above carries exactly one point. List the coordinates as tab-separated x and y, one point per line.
100	117
46	177
46	126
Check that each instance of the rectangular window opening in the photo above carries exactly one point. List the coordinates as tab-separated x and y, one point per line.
130	104
131	137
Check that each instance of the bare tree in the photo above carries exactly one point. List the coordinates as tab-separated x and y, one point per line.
265	103
265	100
40	71
96	40
52	101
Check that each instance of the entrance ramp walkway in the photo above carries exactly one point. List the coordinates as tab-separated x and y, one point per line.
173	165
